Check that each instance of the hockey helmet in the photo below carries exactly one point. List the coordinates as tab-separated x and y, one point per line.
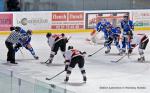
29	32
70	47
126	17
12	28
48	35
63	34
17	28
103	21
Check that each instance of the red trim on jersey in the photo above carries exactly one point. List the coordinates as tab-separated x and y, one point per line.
75	52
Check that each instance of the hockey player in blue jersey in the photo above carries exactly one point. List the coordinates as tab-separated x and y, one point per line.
25	42
101	26
127	34
113	36
22	31
116	36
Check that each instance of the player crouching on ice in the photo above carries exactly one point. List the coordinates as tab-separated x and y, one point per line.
113	35
55	42
25	42
141	40
73	57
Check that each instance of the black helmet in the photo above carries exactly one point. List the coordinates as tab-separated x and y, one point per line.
29	32
63	34
17	28
12	28
126	16
70	47
48	35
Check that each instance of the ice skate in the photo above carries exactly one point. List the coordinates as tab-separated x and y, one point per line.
36	57
122	52
84	79
107	51
66	79
49	62
141	59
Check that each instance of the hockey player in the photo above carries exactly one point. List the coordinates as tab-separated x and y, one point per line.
140	40
113	35
73	57
116	36
55	42
25	42
100	26
127	26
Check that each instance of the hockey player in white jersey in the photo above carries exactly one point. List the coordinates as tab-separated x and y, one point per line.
55	42
141	40
73	57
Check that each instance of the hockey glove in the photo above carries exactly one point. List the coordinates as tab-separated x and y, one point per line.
99	30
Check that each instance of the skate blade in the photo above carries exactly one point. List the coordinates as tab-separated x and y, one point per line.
43	62
114	61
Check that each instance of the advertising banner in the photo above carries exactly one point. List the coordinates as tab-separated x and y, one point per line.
33	20
67	20
6	21
141	18
113	17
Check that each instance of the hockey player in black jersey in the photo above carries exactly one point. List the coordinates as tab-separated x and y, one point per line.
73	57
56	42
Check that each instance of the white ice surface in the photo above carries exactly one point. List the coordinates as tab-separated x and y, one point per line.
100	71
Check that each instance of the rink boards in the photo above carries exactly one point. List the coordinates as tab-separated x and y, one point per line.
70	21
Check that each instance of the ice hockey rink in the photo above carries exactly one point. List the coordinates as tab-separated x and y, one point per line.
103	76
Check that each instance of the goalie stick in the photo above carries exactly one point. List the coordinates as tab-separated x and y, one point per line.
55	75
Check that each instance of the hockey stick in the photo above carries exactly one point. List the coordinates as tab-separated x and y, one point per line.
120	58
99	49
96	52
55	75
45	61
69	38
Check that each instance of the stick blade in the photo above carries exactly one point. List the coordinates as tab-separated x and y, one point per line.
113	61
47	78
89	55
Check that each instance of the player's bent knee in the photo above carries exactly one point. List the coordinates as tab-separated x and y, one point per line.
68	72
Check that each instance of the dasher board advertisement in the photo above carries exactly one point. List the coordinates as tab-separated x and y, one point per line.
6	21
33	20
141	18
67	20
